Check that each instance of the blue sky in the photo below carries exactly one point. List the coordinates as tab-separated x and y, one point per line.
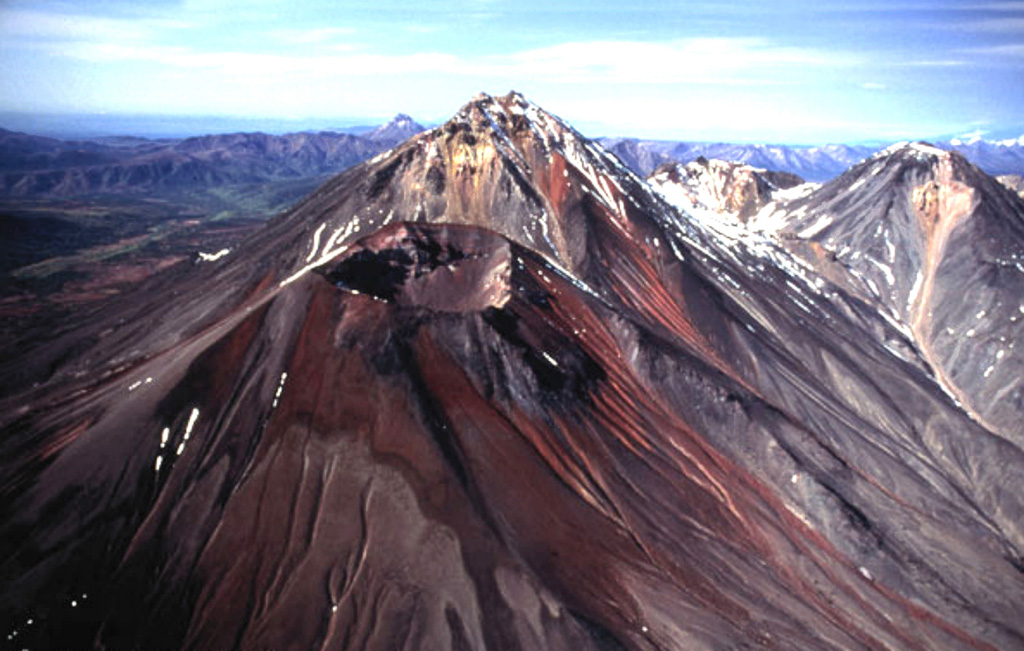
786	71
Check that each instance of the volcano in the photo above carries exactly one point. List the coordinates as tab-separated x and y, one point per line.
490	391
940	245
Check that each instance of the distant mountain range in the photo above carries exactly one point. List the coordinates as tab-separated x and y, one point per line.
156	127
811	163
33	166
39	166
818	163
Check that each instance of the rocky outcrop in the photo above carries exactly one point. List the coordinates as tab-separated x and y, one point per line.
735	189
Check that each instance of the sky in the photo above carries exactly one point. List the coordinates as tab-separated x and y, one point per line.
785	72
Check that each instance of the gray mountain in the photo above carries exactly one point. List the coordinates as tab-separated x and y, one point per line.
811	163
39	167
814	163
398	129
995	157
939	245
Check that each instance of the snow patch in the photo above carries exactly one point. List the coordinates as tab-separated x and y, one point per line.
914	290
922	148
886	271
210	257
815	228
316	241
795	192
280	390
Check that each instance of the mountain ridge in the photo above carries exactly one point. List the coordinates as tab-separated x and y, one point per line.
890	228
193	163
815	163
489	389
53	167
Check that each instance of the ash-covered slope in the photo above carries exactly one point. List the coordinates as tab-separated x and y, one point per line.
941	246
490	391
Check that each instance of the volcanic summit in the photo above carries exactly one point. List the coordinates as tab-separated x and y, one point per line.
489	390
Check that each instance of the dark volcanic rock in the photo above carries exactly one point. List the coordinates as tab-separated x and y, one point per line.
530	406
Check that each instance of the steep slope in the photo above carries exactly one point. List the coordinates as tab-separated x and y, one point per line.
488	390
941	246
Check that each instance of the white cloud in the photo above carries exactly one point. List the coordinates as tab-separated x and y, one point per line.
422	29
973	136
930	7
998	6
60	26
690	61
695	117
259	64
872	85
933	63
995	25
694	60
310	36
1008	50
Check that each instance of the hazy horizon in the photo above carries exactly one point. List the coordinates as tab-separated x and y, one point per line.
86	126
794	73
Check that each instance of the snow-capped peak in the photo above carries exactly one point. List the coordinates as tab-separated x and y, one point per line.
918	149
396	129
975	137
1011	142
401	120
